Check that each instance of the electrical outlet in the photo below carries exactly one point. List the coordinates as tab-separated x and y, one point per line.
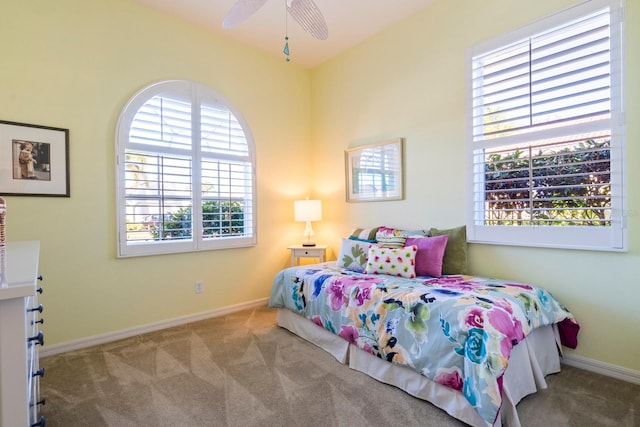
198	288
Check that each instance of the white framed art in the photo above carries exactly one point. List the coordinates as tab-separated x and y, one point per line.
374	172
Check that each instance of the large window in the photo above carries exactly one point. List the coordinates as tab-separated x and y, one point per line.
185	168
546	133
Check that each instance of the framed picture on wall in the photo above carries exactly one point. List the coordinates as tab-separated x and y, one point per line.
375	172
34	160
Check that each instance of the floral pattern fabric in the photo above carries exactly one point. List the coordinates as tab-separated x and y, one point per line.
455	330
399	262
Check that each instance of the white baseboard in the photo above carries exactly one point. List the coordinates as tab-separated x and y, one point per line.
603	368
50	350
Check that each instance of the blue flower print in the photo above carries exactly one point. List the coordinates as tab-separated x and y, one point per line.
470	392
475	348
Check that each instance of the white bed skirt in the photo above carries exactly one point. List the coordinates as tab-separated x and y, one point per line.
531	360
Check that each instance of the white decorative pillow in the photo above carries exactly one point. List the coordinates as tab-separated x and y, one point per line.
399	262
353	255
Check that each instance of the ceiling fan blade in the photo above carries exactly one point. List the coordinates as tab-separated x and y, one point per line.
241	11
307	14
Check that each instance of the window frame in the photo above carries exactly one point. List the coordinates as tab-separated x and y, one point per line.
605	238
196	93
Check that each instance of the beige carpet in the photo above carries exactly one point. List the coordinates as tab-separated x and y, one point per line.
243	370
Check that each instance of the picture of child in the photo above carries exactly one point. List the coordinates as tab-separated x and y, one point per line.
31	160
27	161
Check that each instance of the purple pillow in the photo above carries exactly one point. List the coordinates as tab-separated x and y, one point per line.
430	254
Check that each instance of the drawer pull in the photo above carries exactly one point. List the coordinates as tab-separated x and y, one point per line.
40	423
39	308
41	321
39	339
42	402
40	277
38	373
39	290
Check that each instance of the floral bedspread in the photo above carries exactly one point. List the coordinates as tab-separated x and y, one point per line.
456	330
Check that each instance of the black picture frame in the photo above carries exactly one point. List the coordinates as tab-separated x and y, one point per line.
34	160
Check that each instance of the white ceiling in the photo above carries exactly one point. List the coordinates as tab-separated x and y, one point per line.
349	23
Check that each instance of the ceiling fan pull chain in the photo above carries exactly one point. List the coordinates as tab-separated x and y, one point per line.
286	48
286	32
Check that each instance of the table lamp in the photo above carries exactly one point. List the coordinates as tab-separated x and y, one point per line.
307	211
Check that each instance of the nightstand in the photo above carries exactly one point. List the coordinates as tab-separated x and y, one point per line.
297	252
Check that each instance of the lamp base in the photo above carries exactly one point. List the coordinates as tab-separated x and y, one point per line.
308	244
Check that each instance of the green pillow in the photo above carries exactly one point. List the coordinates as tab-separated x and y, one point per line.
455	254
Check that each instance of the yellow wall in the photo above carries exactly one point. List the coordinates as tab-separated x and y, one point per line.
410	82
74	64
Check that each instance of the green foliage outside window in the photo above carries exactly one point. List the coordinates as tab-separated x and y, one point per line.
220	218
570	186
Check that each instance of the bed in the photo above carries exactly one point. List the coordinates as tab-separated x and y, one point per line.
472	346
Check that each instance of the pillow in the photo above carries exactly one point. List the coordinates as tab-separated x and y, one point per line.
455	255
392	241
392	261
353	255
414	233
365	233
390	237
430	254
387	232
363	240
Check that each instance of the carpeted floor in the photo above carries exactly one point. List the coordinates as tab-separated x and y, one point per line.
243	370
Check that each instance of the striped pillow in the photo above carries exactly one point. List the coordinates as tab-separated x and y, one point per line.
365	233
390	237
392	241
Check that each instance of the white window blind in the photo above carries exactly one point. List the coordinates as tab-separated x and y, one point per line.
376	171
221	132
162	123
546	133
185	172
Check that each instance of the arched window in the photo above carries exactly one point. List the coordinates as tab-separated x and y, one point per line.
185	172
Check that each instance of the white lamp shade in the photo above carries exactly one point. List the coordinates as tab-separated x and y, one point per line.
307	210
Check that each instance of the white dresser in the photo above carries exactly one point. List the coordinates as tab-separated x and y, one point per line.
20	337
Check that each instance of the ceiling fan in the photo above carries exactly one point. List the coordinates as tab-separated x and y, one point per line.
304	12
